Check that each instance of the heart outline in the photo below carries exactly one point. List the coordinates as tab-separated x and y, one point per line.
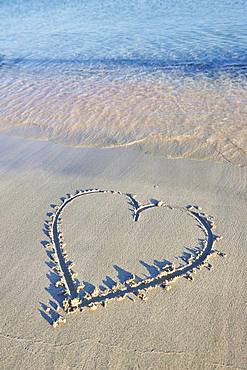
70	287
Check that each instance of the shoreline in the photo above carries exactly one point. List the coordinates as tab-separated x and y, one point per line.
173	115
134	146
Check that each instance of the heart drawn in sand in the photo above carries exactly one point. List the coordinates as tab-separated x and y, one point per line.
69	291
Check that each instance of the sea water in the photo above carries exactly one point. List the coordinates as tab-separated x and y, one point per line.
167	76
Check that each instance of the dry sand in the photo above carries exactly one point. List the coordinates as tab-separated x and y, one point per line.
198	324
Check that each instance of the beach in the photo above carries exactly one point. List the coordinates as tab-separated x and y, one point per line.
178	115
197	324
123	185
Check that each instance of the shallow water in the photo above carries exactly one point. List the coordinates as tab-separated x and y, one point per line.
168	76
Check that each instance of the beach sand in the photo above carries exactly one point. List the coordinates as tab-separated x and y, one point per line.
197	324
170	114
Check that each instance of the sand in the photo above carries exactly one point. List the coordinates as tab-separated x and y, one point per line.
197	324
173	114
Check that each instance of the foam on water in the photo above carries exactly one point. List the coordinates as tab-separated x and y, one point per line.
166	76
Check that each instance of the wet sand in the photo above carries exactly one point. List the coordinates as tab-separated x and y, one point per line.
196	324
172	114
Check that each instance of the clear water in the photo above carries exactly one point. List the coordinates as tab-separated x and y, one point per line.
135	33
169	75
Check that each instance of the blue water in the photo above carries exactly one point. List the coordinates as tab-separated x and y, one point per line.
187	34
169	76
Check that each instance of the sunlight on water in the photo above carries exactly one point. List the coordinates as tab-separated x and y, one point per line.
168	76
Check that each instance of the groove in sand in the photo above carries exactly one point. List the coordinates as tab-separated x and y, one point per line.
68	286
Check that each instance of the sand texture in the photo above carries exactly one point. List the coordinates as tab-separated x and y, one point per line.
113	259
